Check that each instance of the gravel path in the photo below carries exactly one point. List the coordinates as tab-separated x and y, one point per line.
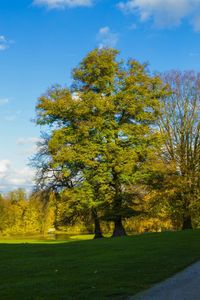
182	286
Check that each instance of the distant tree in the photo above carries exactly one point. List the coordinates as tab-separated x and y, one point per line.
102	131
16	205
17	195
42	210
3	214
180	127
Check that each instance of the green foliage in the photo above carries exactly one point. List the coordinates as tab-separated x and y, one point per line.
99	70
103	131
20	214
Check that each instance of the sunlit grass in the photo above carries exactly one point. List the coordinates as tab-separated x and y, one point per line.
45	239
98	269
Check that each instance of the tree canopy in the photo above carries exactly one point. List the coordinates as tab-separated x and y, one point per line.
102	131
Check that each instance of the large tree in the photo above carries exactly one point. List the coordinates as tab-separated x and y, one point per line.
180	127
102	132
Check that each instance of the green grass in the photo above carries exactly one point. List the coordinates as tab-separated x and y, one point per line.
97	269
45	239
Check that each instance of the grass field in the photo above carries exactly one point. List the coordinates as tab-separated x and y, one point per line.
97	269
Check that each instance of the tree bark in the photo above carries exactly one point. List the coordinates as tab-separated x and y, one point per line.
187	219
187	222
97	227
119	228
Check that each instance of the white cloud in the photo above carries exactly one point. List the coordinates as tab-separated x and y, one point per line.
21	177
51	4
4	167
164	13
194	54
133	26
28	141
4	43
10	117
28	145
11	178
4	101
107	38
196	23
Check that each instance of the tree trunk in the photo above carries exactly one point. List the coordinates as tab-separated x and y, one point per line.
187	222
97	227
119	228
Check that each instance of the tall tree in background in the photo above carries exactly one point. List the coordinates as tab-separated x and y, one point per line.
102	132
180	126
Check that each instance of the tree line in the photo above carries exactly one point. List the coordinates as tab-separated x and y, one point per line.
45	213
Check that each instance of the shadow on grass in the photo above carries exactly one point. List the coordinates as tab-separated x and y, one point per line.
93	269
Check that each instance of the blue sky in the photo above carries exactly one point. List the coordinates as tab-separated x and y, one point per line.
42	40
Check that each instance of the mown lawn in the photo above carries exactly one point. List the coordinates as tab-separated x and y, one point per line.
97	269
